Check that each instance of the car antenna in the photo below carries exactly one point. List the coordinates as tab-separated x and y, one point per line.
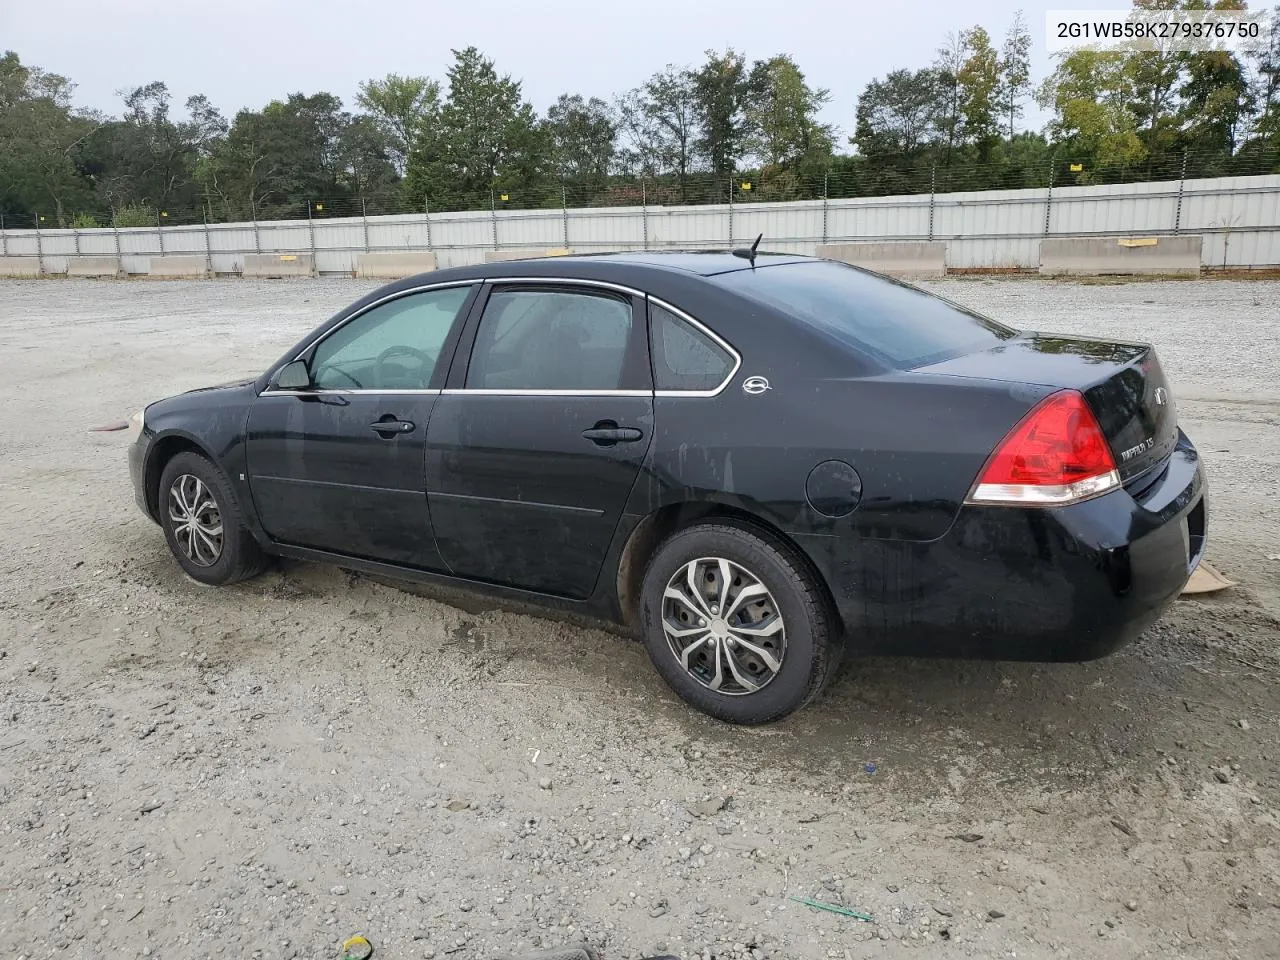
749	253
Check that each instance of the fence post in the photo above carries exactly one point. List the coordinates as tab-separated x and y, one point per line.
933	182
826	189
493	218
311	233
1182	179
159	233
731	208
644	212
257	241
564	210
75	237
208	245
4	242
364	216
39	245
426	212
1048	200
115	232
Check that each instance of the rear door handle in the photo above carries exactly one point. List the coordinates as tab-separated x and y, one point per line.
607	436
389	428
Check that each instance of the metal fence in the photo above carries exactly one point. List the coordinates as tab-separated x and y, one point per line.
1239	218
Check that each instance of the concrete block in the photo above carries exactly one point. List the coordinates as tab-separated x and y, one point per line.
93	266
188	267
900	258
1101	256
393	266
529	253
19	266
277	265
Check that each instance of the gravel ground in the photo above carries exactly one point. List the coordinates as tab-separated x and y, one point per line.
265	770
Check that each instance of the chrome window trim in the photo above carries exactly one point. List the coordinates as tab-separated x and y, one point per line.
486	392
270	392
632	291
559	281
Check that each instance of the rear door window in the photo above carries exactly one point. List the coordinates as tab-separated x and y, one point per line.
899	325
551	340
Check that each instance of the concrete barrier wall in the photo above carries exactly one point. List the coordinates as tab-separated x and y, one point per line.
923	258
497	256
189	267
279	265
93	266
393	266
19	266
1100	256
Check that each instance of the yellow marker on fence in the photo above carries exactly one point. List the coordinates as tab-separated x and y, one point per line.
1076	167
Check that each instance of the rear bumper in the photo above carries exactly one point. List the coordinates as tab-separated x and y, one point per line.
1057	584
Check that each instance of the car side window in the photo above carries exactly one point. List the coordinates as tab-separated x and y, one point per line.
684	358
551	340
394	346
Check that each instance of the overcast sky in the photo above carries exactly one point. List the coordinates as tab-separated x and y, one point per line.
247	52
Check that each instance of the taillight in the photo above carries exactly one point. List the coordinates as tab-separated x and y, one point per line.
1057	454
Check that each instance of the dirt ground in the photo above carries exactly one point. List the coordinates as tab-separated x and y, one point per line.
266	770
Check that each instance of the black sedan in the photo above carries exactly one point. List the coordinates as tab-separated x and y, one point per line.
753	461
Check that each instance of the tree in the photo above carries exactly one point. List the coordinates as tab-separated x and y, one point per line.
1015	70
1217	104
273	162
1266	92
406	109
946	67
41	138
979	78
720	95
488	138
782	114
1092	94
582	134
899	116
659	121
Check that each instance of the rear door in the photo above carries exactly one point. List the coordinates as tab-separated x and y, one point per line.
340	466
535	444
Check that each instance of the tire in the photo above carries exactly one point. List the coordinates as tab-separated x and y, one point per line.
237	555
779	588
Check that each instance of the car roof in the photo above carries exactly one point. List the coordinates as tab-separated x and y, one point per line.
704	263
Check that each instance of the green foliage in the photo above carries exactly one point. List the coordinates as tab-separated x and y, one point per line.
135	216
84	221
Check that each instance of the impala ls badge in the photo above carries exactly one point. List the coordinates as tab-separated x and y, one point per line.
1161	396
755	385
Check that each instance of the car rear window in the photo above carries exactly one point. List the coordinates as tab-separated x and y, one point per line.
899	325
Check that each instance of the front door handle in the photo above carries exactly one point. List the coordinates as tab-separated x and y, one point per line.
606	433
390	427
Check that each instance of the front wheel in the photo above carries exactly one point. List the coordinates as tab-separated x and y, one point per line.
202	523
736	624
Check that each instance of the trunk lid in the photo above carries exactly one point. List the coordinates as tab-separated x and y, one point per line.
1123	384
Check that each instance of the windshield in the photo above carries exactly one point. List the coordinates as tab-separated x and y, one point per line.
899	325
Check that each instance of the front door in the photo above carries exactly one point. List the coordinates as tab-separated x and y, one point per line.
532	455
339	466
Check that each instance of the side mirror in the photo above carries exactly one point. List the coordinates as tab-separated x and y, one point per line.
293	376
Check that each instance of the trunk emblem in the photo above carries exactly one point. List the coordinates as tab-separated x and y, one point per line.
1161	396
755	386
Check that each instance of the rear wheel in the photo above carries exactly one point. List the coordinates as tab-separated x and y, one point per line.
202	523
736	624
